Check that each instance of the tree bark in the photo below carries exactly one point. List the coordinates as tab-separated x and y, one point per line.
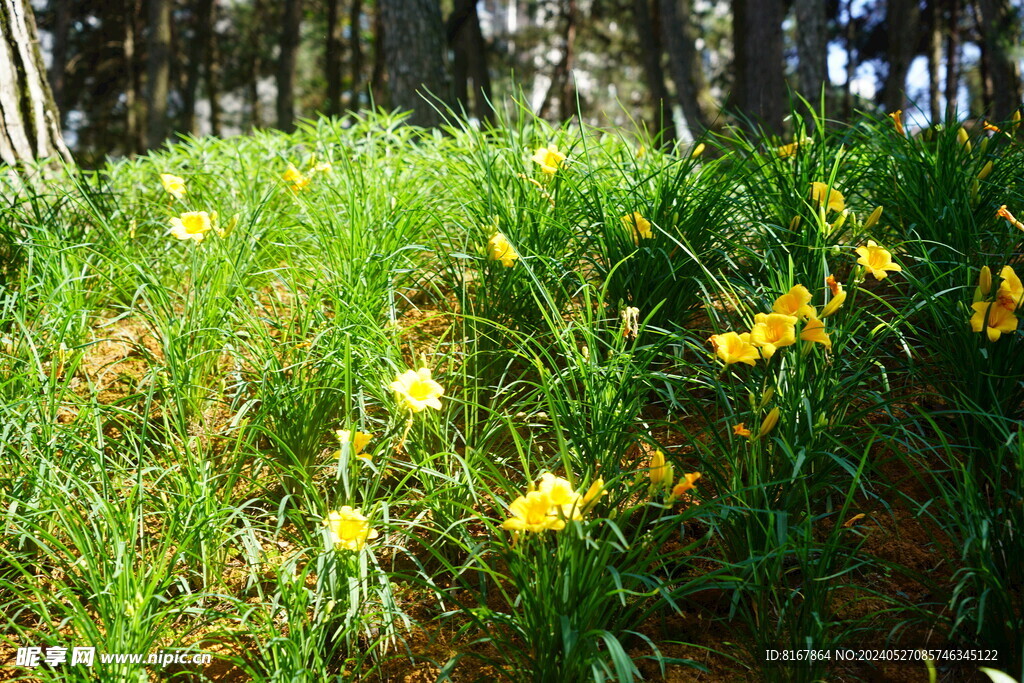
934	61
355	22
811	47
158	79
469	63
650	53
59	54
953	59
332	59
29	122
757	37
1000	34
203	13
286	65
378	77
413	57
901	18
212	69
685	64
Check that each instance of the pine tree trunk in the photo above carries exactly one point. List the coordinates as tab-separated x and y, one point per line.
679	33
413	56
158	79
332	59
29	122
196	61
757	37
469	63
953	59
355	21
1001	34
901	17
286	65
811	47
650	52
934	61
59	54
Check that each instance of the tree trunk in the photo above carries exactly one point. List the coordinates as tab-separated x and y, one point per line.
196	60
650	53
29	122
567	105
413	57
212	69
901	18
811	47
934	61
685	63
378	78
286	65
158	79
1000	34
757	37
355	21
332	59
953	59
469	49
851	63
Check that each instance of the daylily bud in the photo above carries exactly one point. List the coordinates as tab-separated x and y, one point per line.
961	137
794	224
697	151
841	220
1016	121
873	218
768	424
985	281
592	495
975	190
985	170
766	398
660	471
984	145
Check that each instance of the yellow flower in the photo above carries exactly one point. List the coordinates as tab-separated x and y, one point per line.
358	442
795	302
499	249
786	151
561	496
191	225
984	281
876	260
296	181
897	121
549	158
697	151
873	218
660	471
833	198
1010	289
417	390
772	331
769	422
688	482
638	226
593	494
348	529
734	348
814	331
740	430
995	320
533	512
173	184
838	297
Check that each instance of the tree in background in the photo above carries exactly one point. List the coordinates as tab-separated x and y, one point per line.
413	56
159	71
29	122
759	86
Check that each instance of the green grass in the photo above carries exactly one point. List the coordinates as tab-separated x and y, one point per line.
169	408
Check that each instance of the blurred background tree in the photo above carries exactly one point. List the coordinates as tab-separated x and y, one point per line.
130	74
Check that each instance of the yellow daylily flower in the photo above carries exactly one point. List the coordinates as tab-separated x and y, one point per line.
417	390
562	496
549	158
1010	291
688	482
358	442
740	430
772	331
795	302
191	225
533	512
995	320
638	226
499	249
814	331
348	529
832	198
734	348
296	181
1003	212
877	260
174	185
897	121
